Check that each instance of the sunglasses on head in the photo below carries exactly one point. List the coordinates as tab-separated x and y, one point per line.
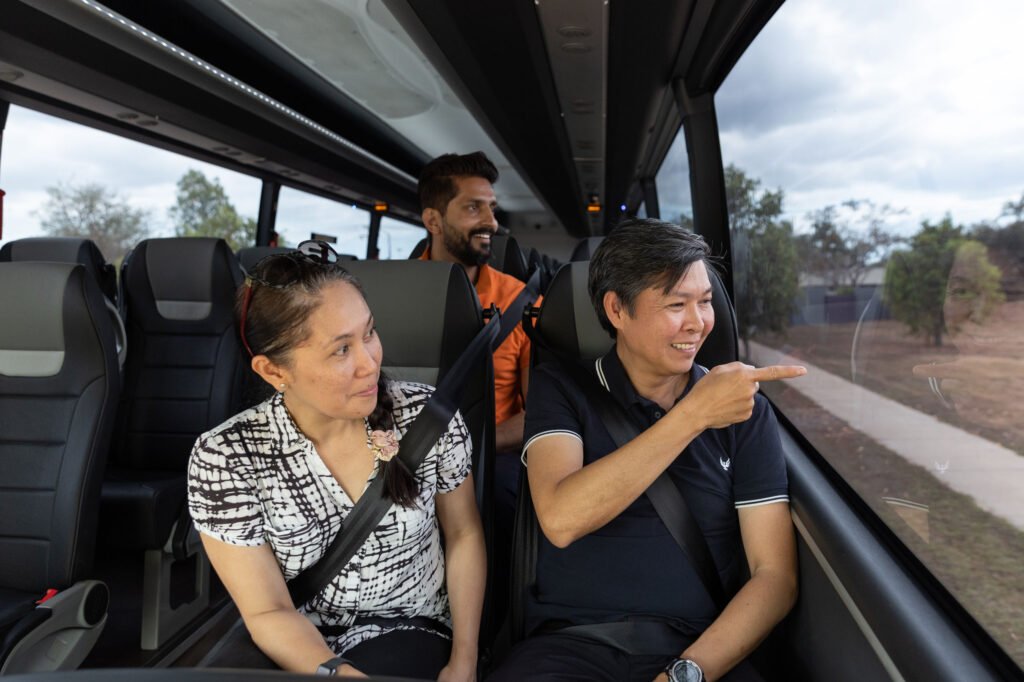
310	251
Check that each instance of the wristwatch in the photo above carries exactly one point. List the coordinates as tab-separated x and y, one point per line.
684	670
330	668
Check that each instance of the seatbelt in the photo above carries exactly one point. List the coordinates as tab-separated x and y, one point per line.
513	314
422	434
664	495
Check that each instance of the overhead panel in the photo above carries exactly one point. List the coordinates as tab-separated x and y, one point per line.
576	37
361	49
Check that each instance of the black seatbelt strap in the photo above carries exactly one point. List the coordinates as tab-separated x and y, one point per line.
513	314
664	495
428	427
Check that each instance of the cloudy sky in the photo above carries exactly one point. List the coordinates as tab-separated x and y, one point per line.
916	103
40	151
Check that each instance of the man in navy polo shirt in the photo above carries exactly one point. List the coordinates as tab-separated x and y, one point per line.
605	556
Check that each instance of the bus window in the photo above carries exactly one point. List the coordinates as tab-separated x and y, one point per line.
302	216
65	179
673	183
398	238
874	183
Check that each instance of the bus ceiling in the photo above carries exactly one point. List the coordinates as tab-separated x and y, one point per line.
573	99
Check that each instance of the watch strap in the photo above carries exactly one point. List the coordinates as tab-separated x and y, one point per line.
330	667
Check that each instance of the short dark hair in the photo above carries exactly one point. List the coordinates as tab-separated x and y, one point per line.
437	179
638	254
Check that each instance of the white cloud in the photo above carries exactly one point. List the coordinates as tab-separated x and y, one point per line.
911	103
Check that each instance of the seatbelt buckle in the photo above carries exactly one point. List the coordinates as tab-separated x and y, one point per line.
490	312
50	594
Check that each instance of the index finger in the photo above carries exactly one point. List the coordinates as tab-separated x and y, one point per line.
773	372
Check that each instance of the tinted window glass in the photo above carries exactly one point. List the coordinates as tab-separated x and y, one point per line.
398	238
65	179
673	183
302	216
874	171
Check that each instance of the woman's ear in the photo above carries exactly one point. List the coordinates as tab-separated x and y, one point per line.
277	376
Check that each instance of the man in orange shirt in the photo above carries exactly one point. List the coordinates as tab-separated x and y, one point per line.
458	203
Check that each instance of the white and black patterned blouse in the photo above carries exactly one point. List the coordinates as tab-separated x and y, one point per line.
257	479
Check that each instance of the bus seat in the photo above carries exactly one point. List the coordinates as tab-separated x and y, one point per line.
584	248
426	314
183	376
74	250
252	255
59	386
420	247
507	257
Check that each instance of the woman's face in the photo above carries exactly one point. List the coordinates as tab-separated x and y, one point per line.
333	373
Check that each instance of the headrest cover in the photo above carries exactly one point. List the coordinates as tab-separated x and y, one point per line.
65	250
181	276
567	319
32	335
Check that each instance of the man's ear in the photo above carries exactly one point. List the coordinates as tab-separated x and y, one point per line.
614	309
277	376
431	220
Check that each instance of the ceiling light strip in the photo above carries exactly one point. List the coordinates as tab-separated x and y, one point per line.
254	94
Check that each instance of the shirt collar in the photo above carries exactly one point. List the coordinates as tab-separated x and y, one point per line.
613	377
282	426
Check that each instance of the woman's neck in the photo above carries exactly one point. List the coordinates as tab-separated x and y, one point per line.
321	429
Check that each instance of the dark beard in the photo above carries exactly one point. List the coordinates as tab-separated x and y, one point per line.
460	247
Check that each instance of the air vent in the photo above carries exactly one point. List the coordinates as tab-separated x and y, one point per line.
148	122
576	48
128	116
233	152
573	31
222	150
10	75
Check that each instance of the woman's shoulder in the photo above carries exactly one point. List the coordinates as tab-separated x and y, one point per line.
245	426
409	396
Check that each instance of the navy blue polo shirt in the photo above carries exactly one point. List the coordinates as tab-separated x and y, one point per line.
632	566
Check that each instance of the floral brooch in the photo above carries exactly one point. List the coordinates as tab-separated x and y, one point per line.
383	444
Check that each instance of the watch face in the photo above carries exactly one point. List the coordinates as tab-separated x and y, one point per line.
684	671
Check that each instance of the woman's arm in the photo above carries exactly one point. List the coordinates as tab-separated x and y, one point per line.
254	580
466	568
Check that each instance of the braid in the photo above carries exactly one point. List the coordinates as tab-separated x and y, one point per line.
399	483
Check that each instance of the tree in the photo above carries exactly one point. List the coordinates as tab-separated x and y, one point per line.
916	278
94	212
203	210
846	241
764	256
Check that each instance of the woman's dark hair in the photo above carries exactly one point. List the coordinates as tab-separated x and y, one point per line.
275	302
638	254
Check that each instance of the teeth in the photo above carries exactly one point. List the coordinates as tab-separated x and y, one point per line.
684	346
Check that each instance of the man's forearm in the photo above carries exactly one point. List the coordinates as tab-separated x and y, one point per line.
764	600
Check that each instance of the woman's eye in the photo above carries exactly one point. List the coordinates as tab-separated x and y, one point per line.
342	351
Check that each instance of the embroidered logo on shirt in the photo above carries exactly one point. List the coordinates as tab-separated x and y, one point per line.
726	463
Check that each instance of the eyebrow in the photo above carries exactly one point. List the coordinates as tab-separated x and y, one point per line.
681	294
342	337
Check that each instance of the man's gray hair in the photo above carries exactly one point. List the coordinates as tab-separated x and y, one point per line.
641	253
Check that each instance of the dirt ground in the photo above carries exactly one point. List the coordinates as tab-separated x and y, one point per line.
977	556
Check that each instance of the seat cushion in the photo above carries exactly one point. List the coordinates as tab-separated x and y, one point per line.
138	508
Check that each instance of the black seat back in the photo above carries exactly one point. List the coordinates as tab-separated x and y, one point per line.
59	386
185	369
65	250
